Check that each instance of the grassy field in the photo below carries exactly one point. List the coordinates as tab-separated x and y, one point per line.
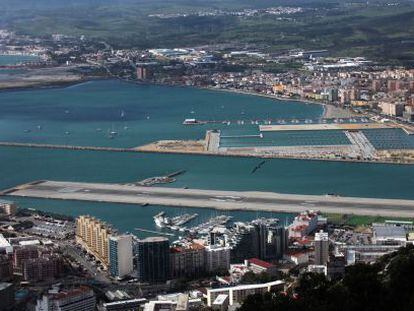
357	220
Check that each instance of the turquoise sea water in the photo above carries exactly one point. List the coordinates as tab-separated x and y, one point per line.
114	106
16	59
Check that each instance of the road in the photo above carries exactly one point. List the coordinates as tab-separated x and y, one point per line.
225	200
80	257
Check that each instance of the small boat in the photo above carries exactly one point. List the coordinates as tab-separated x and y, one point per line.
27	131
99	130
39	127
67	133
122	114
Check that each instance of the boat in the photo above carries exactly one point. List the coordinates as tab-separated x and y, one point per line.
190	122
159	220
122	114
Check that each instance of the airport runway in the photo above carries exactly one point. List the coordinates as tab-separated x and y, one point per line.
224	200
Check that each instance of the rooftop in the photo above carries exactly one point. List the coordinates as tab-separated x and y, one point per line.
261	263
389	231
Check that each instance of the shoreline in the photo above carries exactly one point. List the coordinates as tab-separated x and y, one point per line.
191	153
56	84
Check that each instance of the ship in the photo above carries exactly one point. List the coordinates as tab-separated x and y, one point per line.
159	220
190	122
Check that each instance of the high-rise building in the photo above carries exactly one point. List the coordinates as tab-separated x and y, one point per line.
7	207
143	73
153	259
40	269
392	85
6	268
6	296
247	243
93	235
376	85
187	261
120	255
321	248
217	258
272	239
392	109
79	299
21	254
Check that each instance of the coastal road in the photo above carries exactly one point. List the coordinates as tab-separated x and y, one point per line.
224	200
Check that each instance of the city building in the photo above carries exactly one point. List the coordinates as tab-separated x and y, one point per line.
78	299
336	266
322	269
7	207
153	259
93	235
221	303
41	269
21	254
408	113
187	261
6	268
120	255
5	246
321	248
217	258
303	224
366	253
237	294
297	257
272	239
392	109
125	305
6	296
388	235
259	266
246	242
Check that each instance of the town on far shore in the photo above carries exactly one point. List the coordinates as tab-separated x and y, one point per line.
372	103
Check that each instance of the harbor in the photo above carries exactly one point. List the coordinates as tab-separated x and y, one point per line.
175	223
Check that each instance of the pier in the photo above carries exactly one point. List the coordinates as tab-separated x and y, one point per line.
321	127
269	121
215	199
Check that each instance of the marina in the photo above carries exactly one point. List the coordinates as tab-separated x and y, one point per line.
175	223
279	121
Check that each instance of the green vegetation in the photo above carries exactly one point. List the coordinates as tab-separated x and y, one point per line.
359	220
386	285
376	30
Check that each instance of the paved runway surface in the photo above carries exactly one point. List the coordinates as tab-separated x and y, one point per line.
225	200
